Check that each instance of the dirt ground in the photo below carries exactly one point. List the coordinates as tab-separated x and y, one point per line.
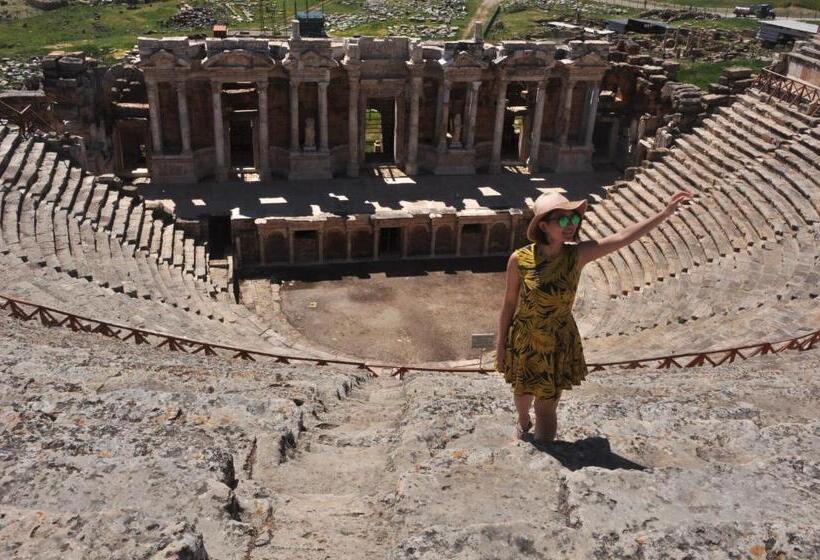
406	319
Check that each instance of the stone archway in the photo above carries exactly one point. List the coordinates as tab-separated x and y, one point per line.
361	244
276	247
335	244
419	242
499	238
445	241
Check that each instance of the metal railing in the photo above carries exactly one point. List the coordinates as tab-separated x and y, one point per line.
51	317
794	92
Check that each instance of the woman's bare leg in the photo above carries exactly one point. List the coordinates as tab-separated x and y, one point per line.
546	419
522	406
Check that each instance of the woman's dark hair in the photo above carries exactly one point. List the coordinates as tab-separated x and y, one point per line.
543	239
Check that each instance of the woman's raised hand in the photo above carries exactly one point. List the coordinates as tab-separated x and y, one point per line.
675	201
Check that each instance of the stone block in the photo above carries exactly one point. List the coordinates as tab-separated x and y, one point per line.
737	72
71	66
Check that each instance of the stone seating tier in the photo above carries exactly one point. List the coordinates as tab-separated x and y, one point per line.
82	226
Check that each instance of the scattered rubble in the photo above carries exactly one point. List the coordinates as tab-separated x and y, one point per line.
671	14
20	74
436	18
191	17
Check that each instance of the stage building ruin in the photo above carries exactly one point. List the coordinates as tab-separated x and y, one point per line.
297	108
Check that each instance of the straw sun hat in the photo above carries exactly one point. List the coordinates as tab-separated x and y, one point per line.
545	204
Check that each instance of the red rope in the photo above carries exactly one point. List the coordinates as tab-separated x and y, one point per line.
181	344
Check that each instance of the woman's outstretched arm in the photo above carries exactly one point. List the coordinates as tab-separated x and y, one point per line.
590	250
507	310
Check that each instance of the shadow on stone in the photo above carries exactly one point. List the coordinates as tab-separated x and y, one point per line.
589	452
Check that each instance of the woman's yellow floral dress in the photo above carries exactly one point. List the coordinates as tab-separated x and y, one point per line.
544	351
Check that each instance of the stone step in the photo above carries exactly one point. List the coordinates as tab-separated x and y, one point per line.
674	227
85	197
624	276
659	268
98	255
76	247
125	268
121	214
16	162
45	176
108	209
167	247
182	299
62	243
725	235
8	147
776	110
178	257
99	195
27	233
637	196
795	208
28	173
150	275
146	230
67	198
135	221
723	155
802	179
155	244
200	270
737	194
11	213
613	218
189	251
745	136
774	132
735	138
704	235
59	182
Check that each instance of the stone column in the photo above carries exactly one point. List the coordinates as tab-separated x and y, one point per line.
294	115
444	104
184	120
405	240
565	111
459	227
472	111
376	231
153	108
291	255
349	244
433	240
498	127
264	146
411	168
323	143
592	109
219	130
538	118
353	129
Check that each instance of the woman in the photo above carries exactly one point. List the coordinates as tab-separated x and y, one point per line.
540	351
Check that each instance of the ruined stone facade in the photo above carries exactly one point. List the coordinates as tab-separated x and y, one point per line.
296	108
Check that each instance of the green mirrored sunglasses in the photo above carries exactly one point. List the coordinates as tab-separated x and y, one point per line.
565	220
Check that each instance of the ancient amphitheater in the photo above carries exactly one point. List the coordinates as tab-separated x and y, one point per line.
171	449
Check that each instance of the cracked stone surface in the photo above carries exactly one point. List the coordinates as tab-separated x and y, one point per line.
113	451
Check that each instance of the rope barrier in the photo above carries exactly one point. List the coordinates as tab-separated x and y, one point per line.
48	316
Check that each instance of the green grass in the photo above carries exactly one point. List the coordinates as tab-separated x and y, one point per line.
704	73
807	4
102	31
523	23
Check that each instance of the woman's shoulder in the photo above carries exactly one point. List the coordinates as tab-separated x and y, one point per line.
524	256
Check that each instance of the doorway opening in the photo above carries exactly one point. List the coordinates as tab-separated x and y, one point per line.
241	140
380	131
390	242
515	135
219	236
